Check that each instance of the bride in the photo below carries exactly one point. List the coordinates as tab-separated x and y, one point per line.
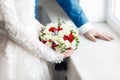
22	55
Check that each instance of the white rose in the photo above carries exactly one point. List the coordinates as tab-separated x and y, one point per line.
57	49
49	44
68	44
73	44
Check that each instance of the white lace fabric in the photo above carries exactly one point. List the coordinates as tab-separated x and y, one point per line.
25	30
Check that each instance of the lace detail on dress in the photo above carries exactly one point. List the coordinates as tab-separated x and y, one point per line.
31	42
26	37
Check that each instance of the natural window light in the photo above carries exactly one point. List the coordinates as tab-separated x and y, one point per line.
116	11
113	14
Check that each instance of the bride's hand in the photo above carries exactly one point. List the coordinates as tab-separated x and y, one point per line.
68	53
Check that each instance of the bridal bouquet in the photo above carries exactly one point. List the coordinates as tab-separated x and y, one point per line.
60	36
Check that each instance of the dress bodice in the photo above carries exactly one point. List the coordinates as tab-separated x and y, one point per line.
22	27
24	12
24	9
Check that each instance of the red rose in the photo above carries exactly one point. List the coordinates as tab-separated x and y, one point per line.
52	29
70	37
44	41
54	45
59	29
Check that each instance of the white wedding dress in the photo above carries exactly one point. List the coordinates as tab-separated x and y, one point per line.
22	55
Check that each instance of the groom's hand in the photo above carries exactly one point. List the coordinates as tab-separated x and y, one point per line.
93	34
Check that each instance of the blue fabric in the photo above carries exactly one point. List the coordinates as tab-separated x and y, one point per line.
74	11
36	8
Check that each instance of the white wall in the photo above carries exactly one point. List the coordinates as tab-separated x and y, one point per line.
94	9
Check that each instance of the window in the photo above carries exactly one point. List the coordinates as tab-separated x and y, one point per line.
116	11
113	14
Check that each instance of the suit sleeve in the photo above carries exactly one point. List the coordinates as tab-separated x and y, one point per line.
74	11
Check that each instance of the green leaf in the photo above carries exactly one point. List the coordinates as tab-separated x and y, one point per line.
59	23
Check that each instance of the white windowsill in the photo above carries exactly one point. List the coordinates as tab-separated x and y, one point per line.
97	60
93	60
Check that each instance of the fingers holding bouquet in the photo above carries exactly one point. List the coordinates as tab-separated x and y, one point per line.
68	53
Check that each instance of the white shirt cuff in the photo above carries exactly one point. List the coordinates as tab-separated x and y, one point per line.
86	27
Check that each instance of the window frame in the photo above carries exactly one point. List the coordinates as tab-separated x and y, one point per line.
115	10
111	20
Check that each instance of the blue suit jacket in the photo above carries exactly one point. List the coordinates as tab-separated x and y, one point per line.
36	8
74	11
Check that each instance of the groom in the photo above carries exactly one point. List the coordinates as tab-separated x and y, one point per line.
77	15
